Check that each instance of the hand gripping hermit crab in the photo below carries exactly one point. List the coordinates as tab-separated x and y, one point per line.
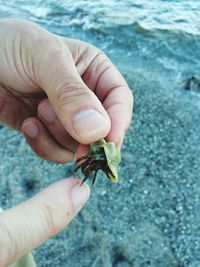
103	156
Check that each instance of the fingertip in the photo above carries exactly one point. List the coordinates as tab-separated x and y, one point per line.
90	125
46	112
42	143
43	216
30	127
79	195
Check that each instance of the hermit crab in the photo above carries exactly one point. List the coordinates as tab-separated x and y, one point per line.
103	156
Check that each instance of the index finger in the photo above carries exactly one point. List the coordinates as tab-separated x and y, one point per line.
108	84
103	78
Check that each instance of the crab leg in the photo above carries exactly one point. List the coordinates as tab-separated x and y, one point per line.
94	177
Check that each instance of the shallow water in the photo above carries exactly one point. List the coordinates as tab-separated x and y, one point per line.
151	218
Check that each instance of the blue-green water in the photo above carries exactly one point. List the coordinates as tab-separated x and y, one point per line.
152	217
163	33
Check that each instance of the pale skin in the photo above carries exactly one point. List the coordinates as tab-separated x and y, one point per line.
62	94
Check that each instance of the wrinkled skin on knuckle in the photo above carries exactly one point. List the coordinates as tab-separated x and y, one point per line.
81	51
31	35
56	49
89	54
91	50
50	226
56	56
46	53
25	25
8	245
20	26
71	93
34	36
32	32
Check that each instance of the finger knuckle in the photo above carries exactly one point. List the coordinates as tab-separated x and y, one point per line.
102	56
55	51
51	226
91	52
8	245
71	92
25	26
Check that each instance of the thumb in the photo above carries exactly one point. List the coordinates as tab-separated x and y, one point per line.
77	107
27	225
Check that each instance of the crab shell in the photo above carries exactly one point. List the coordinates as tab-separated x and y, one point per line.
113	158
106	153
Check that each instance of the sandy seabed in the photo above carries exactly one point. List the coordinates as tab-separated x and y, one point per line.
151	217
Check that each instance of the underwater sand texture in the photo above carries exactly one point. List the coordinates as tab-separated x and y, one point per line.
151	217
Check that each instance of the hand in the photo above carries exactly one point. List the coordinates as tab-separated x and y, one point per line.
27	225
59	92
